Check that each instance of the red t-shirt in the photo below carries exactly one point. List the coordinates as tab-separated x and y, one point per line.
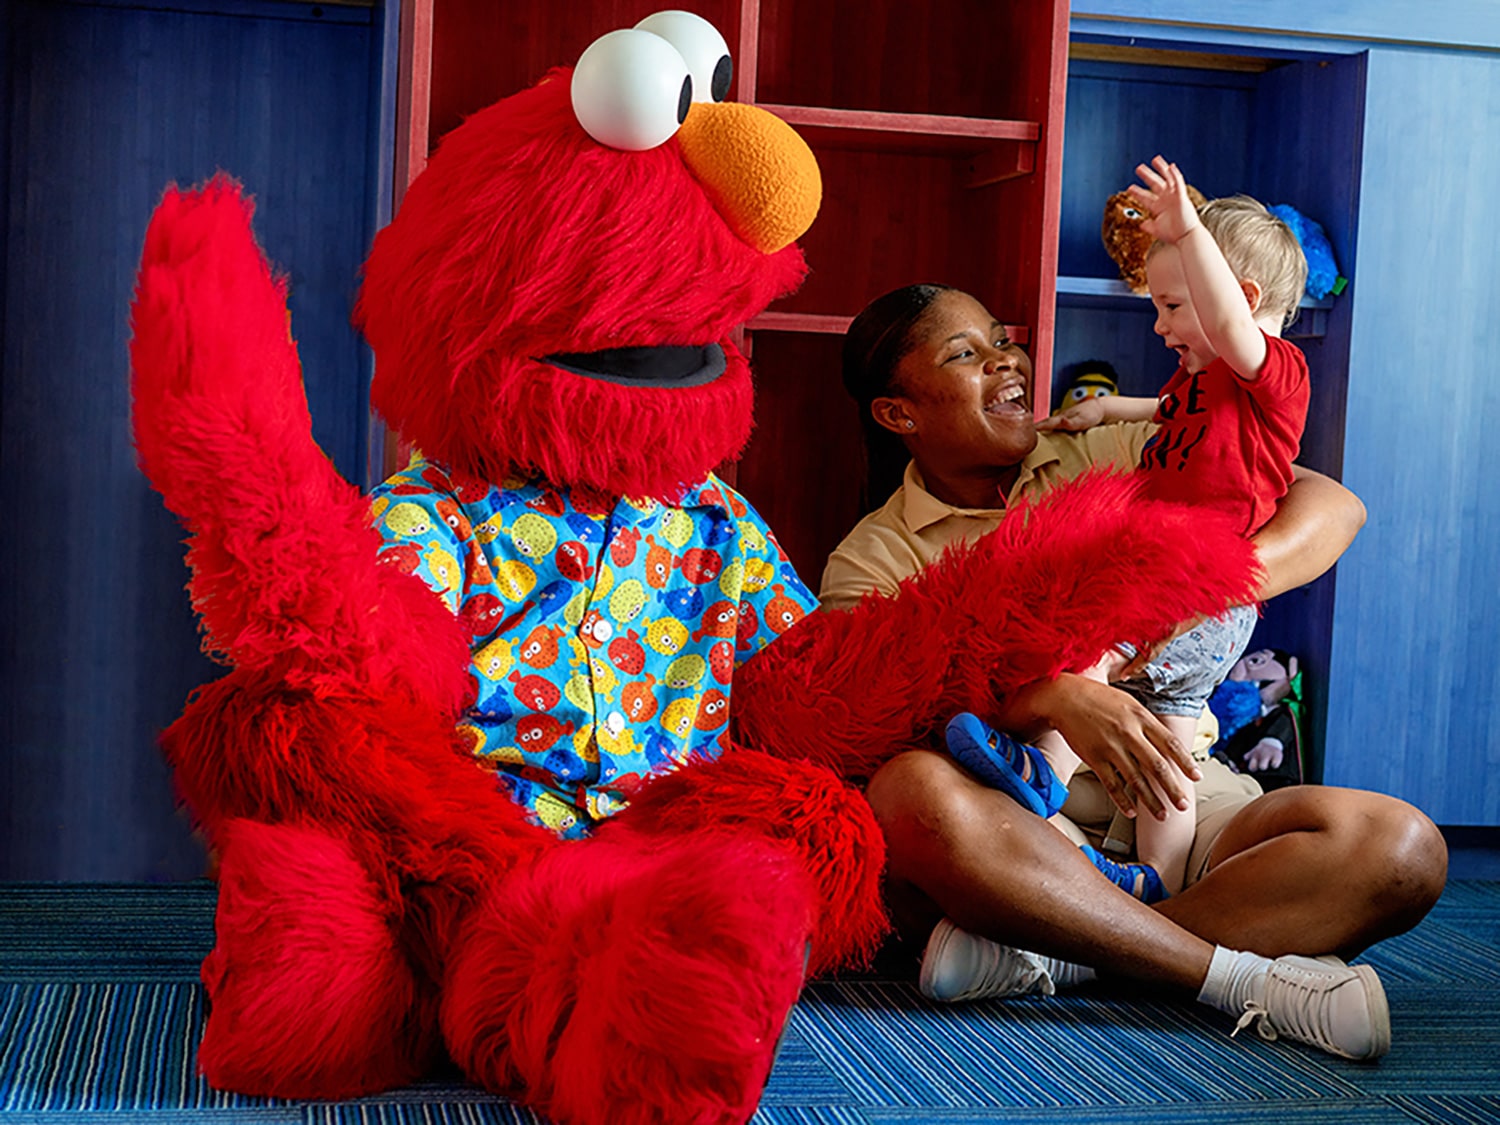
1228	443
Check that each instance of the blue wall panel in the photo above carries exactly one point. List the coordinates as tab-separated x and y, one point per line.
108	103
1418	602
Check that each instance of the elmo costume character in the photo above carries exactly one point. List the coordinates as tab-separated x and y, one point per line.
539	759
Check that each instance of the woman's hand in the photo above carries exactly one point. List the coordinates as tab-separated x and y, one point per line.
1130	749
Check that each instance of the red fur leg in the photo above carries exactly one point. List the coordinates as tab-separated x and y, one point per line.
309	996
632	981
825	823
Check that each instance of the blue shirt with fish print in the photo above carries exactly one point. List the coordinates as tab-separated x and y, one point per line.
604	642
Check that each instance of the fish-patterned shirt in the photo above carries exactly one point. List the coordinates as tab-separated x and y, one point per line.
604	641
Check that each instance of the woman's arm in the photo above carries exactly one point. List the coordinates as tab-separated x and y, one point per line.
1314	524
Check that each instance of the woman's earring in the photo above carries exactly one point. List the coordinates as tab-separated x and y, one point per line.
910	424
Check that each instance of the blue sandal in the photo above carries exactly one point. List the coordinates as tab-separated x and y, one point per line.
1139	880
999	761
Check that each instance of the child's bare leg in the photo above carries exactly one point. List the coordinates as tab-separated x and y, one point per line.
1053	746
1165	844
1059	755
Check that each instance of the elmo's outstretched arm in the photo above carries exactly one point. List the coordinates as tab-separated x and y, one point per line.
283	556
1046	592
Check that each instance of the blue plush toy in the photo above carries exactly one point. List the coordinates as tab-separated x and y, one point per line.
1322	272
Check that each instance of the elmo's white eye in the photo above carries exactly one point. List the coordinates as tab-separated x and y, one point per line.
1132	213
702	48
631	90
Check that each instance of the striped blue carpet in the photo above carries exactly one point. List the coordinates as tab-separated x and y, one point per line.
100	1009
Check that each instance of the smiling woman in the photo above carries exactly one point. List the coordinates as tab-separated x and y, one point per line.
949	385
946	397
977	883
960	397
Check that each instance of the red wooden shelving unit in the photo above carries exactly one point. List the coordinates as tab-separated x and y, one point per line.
938	129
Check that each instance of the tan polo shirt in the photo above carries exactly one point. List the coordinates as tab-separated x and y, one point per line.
897	540
912	528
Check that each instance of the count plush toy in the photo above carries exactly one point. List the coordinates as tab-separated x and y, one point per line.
1259	708
539	759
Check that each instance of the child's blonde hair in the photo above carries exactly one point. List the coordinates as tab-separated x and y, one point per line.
1261	248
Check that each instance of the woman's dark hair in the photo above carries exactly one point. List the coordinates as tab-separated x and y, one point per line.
873	346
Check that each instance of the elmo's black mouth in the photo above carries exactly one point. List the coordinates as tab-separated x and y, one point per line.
646	367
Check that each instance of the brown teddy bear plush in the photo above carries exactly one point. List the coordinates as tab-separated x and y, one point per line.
1126	242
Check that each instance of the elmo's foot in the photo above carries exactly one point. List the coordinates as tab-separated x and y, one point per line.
632	981
308	995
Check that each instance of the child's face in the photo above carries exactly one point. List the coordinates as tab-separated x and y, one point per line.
1176	319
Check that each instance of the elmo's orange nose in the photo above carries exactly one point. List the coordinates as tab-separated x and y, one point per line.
759	173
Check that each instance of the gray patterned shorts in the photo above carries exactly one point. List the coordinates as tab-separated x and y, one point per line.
1185	673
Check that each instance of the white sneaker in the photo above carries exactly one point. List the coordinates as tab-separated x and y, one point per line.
958	965
1325	1003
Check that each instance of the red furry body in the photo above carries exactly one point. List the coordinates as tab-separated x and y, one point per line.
380	900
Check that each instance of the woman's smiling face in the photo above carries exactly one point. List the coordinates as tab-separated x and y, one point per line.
965	389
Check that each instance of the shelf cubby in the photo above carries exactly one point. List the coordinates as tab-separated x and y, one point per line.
1112	293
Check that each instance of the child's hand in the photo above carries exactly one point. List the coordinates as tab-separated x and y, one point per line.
1085	416
1165	196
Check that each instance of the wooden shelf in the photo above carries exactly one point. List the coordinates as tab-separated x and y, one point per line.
1082	51
999	150
800	322
827	325
1112	293
1099	293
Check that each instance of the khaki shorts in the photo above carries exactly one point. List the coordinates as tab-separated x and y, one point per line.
1090	817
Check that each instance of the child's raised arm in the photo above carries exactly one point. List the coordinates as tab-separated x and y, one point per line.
1220	300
